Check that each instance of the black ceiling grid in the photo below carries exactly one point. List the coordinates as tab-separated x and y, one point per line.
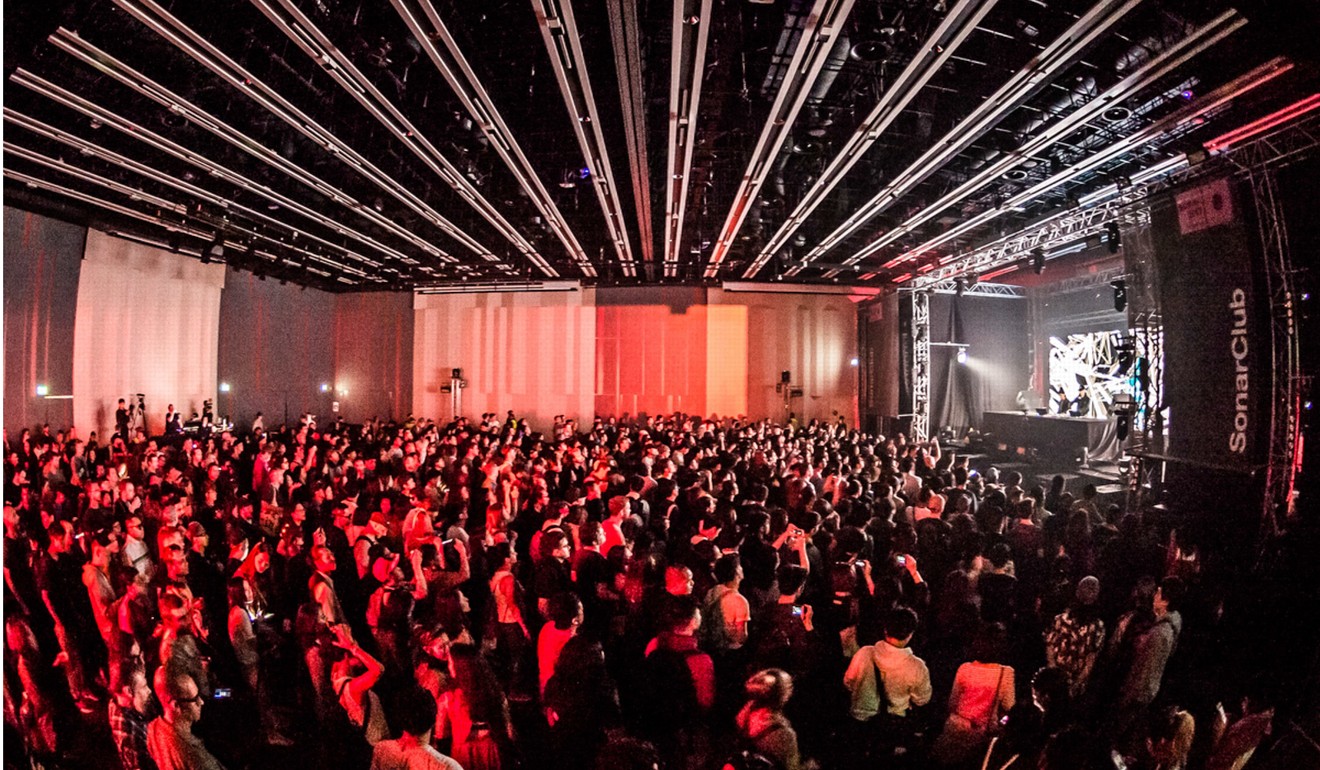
323	142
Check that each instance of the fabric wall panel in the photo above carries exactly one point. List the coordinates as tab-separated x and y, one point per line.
43	259
373	348
534	352
147	322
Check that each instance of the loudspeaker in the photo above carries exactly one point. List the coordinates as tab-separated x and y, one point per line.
785	377
456	373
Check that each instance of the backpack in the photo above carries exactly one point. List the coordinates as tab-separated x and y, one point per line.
748	755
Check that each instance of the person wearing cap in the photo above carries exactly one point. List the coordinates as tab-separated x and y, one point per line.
1074	641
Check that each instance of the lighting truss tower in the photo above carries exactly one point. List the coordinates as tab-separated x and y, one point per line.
1147	328
1285	368
920	365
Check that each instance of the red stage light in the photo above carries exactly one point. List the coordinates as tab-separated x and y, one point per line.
1293	111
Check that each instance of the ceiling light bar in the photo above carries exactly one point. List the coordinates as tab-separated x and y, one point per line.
1166	166
1081	223
185	39
564	44
137	194
1225	142
107	64
145	135
156	18
463	80
304	32
1027	82
1158	66
824	24
64	167
861	292
87	148
687	72
961	20
82	197
1169	126
498	288
625	35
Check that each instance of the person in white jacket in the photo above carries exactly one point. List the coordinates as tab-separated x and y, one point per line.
905	677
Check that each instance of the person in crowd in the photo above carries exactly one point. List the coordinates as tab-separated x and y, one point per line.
412	750
474	713
581	702
670	554
130	710
983	692
170	739
1073	643
565	618
354	677
762	726
1151	653
885	682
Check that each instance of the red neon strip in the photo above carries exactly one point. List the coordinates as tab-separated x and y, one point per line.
902	278
1261	125
998	273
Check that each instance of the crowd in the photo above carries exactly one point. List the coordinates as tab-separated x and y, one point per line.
664	592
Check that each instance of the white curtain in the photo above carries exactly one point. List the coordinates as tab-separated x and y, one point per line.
147	322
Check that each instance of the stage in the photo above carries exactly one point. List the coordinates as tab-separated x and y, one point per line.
1058	437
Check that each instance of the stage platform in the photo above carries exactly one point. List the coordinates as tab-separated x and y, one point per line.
1054	438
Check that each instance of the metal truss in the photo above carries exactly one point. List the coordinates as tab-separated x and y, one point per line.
1098	279
980	289
1129	205
1063	229
920	365
1285	352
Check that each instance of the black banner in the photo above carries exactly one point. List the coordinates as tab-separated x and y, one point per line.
1216	328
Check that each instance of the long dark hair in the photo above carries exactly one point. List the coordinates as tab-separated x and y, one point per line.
481	691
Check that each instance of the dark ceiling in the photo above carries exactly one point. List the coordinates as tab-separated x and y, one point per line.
372	144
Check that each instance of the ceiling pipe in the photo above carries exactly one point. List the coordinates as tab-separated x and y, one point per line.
564	44
148	172
82	197
141	133
1179	120
1024	84
626	38
454	67
961	20
306	35
187	40
687	71
1200	40
824	24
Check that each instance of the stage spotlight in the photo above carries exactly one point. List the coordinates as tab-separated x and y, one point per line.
225	387
325	387
1038	260
959	286
1112	239
1122	426
43	391
1120	294
962	356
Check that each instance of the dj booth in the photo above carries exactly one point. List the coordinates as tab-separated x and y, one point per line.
1052	435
